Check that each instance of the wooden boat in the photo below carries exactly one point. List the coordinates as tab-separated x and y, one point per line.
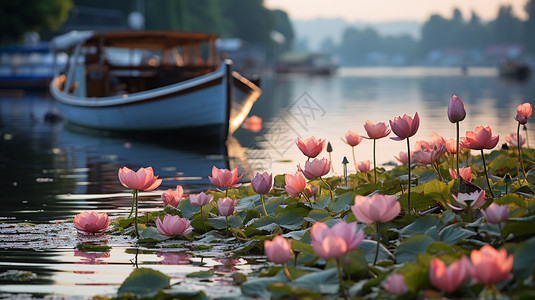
150	81
515	70
307	63
26	66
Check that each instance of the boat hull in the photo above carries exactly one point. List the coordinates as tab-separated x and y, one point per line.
198	107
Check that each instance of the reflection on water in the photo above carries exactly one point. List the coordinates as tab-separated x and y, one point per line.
49	172
329	106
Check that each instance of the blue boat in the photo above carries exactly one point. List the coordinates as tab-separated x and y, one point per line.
27	66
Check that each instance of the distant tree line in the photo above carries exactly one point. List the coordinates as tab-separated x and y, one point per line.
439	33
249	20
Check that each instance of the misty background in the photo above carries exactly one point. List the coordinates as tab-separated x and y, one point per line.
253	32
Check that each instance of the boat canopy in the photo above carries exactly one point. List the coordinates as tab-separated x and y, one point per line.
149	40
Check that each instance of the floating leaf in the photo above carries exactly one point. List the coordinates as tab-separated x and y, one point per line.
342	203
524	260
368	247
317	215
266	223
406	252
421	225
453	233
289	220
221	222
201	274
144	282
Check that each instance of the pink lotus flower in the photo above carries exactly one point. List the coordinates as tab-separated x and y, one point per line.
310	191
348	232
466	173
376	131
317	168
331	246
496	213
311	147
91	222
377	208
436	140
351	138
476	200
225	177
363	166
451	146
143	179
262	182
405	126
253	124
225	206
490	266
172	197
480	139
200	199
456	110
173	225
403	158
429	156
279	250
295	183
448	279
420	145
523	111
512	140
395	285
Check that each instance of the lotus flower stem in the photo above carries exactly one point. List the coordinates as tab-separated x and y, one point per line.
378	242
500	227
458	150
340	279
526	130
331	162
470	217
409	168
226	191
486	173
330	189
304	195
520	160
287	272
227	225
136	197
375	165
354	160
437	169
493	288
202	219
263	206
133	204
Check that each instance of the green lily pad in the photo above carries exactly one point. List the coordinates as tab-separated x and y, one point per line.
144	282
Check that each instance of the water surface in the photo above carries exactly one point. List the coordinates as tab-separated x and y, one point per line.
49	172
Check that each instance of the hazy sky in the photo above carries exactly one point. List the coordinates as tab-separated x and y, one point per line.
391	10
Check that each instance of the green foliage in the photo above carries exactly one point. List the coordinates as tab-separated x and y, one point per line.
144	282
408	243
19	17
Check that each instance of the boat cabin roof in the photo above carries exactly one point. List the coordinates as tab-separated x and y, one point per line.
149	40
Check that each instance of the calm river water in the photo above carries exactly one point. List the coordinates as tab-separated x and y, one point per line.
49	172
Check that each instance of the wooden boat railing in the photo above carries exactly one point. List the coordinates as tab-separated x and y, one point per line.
105	79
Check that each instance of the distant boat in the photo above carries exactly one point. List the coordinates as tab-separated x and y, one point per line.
26	66
150	81
514	70
307	63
